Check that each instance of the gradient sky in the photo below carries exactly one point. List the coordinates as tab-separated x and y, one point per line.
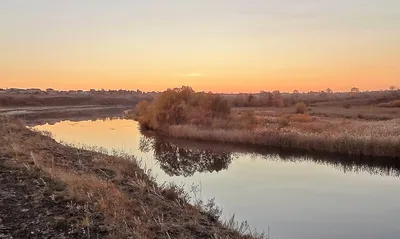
217	45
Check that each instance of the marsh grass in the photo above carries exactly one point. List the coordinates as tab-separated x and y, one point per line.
179	113
366	138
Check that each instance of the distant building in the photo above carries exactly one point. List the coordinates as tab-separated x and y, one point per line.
50	91
33	91
15	91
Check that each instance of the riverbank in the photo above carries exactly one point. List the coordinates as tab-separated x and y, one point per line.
350	143
345	136
52	190
184	113
38	114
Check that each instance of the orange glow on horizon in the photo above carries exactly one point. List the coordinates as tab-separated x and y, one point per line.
226	47
302	80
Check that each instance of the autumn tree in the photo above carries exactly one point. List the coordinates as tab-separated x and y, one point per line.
180	106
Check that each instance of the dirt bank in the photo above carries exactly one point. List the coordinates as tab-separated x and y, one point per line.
48	190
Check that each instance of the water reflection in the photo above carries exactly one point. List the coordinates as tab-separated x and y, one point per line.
175	160
374	166
183	158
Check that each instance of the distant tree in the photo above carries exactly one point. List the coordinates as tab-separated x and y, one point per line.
323	94
277	98
355	90
250	98
329	91
393	87
296	92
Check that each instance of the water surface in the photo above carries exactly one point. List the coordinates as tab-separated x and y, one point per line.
295	195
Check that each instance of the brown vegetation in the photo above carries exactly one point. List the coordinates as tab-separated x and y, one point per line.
357	131
354	97
74	193
181	106
13	100
392	104
355	138
301	108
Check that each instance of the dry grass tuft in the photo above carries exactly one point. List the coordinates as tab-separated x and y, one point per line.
283	121
304	118
392	104
301	108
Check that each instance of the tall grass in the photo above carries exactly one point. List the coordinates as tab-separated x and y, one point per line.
183	113
363	138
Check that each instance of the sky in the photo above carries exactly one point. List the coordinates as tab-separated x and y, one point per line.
211	45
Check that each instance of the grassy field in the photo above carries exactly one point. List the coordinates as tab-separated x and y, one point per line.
370	112
366	130
58	191
13	100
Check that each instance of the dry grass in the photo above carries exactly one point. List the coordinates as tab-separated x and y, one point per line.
360	130
355	137
130	203
304	118
392	104
301	108
12	100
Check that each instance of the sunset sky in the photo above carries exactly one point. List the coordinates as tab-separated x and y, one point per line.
216	45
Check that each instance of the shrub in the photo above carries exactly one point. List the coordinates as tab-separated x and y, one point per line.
395	103
141	108
301	118
301	108
283	122
391	104
347	106
249	120
181	106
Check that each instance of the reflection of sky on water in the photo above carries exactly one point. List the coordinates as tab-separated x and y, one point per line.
296	197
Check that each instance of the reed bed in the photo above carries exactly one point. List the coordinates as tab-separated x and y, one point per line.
367	138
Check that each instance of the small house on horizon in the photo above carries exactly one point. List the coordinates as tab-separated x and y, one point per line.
34	91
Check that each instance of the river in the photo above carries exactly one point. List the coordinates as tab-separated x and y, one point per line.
295	196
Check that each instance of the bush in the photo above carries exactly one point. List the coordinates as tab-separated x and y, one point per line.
249	120
347	106
181	106
283	122
301	118
301	108
395	103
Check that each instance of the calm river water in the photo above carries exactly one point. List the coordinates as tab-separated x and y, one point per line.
296	196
